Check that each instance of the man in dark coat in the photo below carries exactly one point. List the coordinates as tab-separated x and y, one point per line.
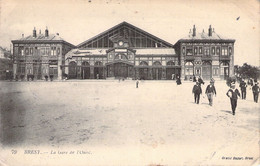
255	90
243	86
178	80
233	94
200	81
210	91
194	78
197	91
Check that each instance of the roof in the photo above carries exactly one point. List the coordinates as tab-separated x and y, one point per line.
140	51
204	36
42	38
155	51
130	26
87	51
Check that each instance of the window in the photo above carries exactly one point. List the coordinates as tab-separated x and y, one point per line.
31	51
53	51
183	50
196	50
26	51
189	68
58	51
189	51
218	50
42	51
230	51
47	51
206	51
200	50
215	71
22	51
224	51
213	50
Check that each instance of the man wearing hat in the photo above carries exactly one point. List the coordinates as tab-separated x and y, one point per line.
197	91
243	88
233	94
210	91
255	90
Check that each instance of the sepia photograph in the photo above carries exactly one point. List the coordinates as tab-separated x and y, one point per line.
129	82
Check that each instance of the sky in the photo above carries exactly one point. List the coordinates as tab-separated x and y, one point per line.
78	20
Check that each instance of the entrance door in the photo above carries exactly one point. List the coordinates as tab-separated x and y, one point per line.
169	73
157	73
206	71
85	72
121	70
143	73
226	73
98	72
72	70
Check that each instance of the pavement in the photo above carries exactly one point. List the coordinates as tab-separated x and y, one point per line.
107	122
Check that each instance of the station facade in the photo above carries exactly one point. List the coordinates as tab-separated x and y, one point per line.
126	51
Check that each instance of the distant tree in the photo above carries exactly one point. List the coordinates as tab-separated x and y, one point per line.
247	71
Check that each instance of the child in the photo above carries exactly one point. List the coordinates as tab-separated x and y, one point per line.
233	94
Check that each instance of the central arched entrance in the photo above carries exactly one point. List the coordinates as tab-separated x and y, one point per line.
121	70
206	70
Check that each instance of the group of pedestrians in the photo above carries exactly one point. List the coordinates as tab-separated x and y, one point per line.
210	91
233	93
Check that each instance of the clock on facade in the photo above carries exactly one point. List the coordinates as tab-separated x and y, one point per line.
120	43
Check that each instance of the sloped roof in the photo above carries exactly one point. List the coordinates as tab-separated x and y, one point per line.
204	36
139	51
42	38
155	51
118	26
87	51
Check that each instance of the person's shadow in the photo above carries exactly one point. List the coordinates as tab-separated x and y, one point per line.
230	112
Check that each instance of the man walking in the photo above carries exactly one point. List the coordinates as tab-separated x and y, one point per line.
197	91
210	91
233	94
200	81
243	89
255	90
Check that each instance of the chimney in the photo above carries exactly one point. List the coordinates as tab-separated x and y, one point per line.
46	32
40	32
210	30
34	32
194	31
22	35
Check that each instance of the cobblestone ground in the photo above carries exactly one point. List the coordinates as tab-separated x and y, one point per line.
115	123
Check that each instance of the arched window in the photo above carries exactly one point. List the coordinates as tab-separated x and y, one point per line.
143	63
157	63
170	63
98	63
121	56
85	63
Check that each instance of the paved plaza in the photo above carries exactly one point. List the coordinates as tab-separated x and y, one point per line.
116	123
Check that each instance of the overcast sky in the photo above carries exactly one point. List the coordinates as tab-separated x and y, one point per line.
170	20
